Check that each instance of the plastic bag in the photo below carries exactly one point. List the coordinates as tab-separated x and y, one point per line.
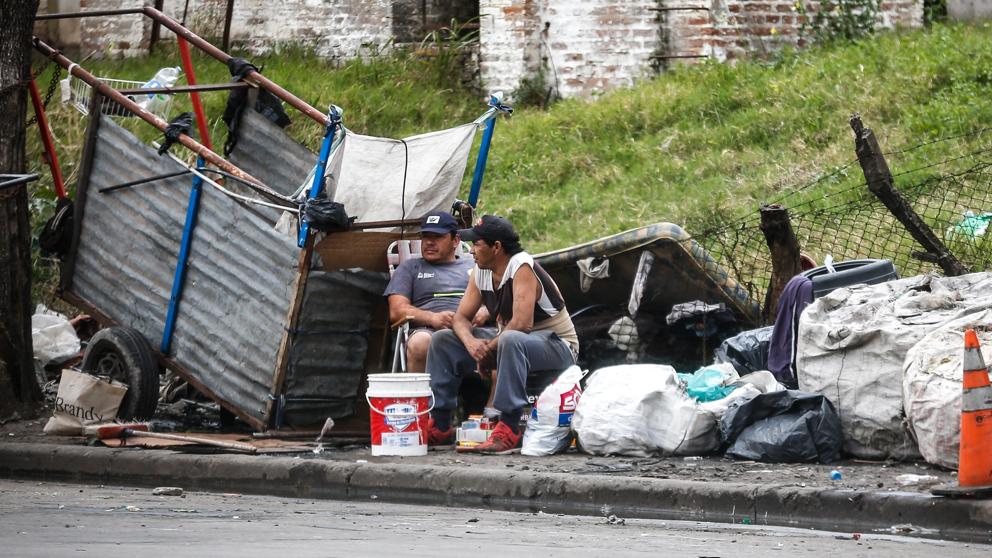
549	427
52	336
641	410
710	382
933	372
786	427
747	351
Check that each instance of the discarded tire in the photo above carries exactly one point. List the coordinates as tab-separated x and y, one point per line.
850	272
124	355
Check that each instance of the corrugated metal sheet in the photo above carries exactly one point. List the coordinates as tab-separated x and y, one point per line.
237	287
237	291
266	152
129	238
330	344
237	295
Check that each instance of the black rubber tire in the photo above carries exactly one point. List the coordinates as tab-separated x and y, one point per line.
850	272
124	355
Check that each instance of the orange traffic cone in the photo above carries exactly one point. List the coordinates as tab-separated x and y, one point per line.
975	454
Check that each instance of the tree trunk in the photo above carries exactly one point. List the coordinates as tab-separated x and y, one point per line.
784	250
19	391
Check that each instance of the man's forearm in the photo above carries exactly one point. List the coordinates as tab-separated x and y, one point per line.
462	328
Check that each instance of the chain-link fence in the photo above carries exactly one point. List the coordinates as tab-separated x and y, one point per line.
952	195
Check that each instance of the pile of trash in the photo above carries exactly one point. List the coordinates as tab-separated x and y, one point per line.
879	369
650	409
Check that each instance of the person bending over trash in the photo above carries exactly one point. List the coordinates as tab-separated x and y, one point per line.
534	332
429	288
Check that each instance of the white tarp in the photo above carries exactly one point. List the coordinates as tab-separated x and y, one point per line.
643	409
932	386
371	179
852	344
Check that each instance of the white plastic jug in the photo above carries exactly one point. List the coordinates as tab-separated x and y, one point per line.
166	77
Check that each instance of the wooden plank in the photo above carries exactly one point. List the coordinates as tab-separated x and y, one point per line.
292	318
345	250
82	187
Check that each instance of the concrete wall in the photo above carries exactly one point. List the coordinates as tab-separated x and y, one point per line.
969	10
578	47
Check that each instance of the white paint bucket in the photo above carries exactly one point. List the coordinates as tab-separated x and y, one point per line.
399	406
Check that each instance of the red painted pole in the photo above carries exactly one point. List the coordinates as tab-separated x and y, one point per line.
46	139
201	118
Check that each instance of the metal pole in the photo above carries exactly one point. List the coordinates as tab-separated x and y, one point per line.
228	15
201	117
334	117
487	139
156	28
252	77
46	139
183	261
199	149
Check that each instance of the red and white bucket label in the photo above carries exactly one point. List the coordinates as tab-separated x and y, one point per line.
400	425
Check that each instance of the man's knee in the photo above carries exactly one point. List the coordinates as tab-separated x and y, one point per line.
512	337
417	345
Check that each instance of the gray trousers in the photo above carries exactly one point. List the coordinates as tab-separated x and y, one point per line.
516	354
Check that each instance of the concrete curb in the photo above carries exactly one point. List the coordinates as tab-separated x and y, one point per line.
846	511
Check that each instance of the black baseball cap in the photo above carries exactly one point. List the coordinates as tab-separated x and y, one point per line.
491	228
439	222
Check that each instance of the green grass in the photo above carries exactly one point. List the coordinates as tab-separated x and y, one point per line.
690	146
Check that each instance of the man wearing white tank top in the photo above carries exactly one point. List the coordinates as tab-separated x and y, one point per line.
534	332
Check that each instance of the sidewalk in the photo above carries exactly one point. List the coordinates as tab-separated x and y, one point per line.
867	499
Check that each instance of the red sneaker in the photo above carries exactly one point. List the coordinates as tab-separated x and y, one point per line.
438	437
501	442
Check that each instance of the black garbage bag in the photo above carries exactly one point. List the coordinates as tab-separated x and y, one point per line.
56	238
747	351
784	427
182	124
267	104
325	215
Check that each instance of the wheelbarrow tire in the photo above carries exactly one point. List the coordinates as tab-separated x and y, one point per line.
124	355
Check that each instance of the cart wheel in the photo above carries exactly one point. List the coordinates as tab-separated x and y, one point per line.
123	354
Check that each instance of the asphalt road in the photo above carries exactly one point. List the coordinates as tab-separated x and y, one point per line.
53	519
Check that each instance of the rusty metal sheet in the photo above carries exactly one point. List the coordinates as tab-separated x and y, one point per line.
235	301
236	295
129	238
266	152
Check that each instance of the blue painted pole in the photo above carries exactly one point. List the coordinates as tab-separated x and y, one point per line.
496	106
334	117
192	208
480	162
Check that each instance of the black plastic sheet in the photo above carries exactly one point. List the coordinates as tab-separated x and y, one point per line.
785	427
747	351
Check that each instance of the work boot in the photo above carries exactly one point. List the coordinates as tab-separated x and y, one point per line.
502	441
438	437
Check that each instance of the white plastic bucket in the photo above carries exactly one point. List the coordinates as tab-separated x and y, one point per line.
399	406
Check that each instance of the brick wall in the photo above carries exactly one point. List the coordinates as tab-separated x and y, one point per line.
580	47
729	29
593	46
117	36
510	39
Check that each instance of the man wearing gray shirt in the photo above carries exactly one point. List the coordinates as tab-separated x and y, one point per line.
428	289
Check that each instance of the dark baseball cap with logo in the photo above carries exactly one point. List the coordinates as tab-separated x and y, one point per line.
491	228
438	222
